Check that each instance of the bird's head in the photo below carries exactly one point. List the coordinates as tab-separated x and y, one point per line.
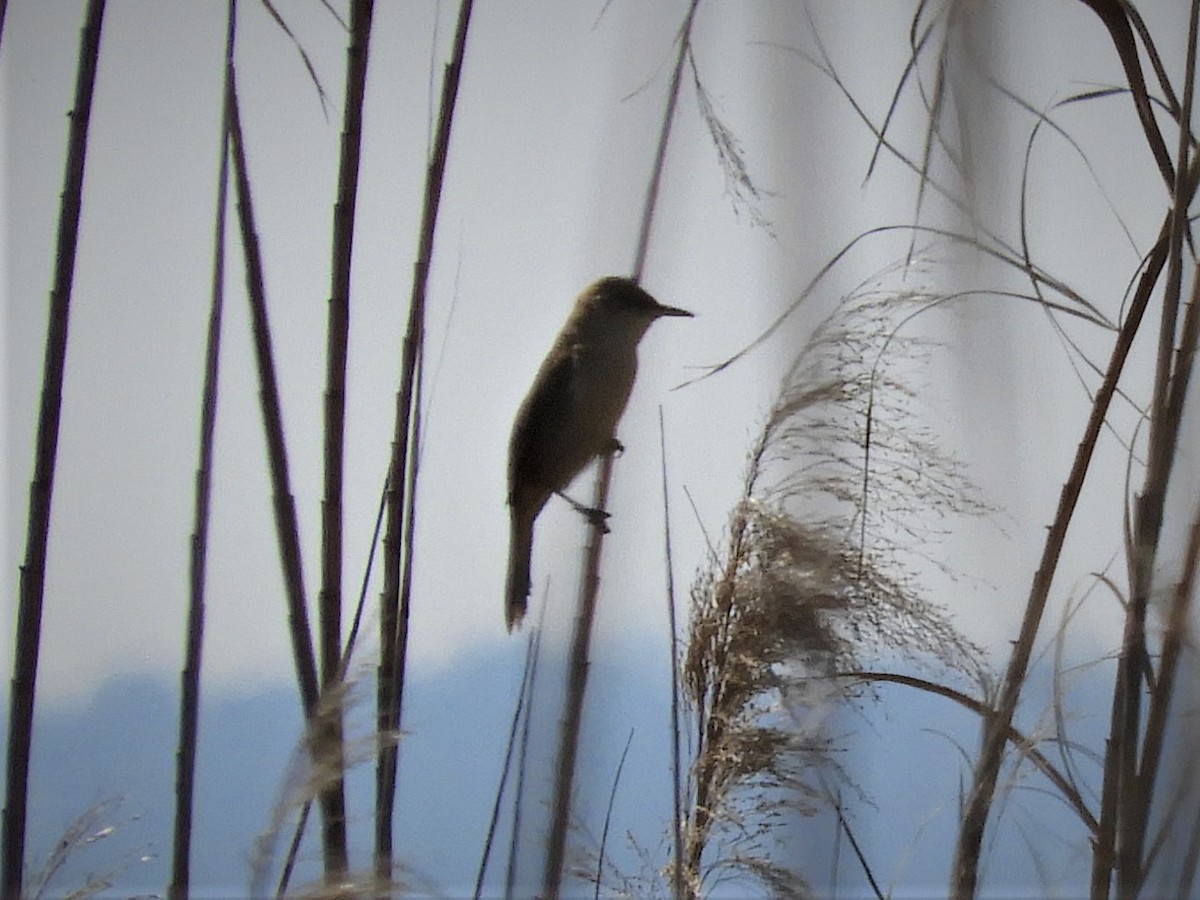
614	295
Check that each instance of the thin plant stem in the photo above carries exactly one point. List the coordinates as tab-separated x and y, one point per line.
398	536
347	655
287	529
1134	804
856	847
1023	743
518	717
965	867
660	153
189	701
577	665
572	717
1112	14
528	688
33	570
360	607
329	601
673	635
612	798
1174	641
289	864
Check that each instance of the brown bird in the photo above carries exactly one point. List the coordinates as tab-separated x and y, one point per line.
570	414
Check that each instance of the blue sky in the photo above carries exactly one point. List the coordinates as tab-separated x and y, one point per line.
550	155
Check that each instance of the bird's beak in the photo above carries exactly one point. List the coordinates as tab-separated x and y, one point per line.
672	311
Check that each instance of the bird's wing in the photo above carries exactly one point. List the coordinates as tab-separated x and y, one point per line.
541	412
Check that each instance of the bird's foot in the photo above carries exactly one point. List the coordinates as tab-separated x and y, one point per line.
596	517
616	448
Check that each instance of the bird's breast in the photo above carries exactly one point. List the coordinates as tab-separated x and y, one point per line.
603	381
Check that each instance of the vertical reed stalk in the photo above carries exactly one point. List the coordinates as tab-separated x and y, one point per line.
33	570
528	685
673	641
287	530
589	586
338	336
1118	845
965	867
519	717
398	537
189	700
572	717
1171	380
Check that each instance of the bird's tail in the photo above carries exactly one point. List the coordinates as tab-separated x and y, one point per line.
520	549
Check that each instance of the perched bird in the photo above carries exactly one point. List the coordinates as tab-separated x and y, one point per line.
570	414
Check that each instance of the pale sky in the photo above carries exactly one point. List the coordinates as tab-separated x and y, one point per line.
552	143
522	229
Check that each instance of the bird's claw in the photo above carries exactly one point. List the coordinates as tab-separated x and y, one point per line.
616	448
596	518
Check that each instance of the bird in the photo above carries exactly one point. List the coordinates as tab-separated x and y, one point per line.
570	414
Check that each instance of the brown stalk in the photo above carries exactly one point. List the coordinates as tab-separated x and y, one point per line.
519	718
329	601
1024	744
286	526
398	540
965	868
1128	793
1112	13
1174	640
189	700
589	586
1122	745
33	570
285	875
572	717
528	685
673	636
284	503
